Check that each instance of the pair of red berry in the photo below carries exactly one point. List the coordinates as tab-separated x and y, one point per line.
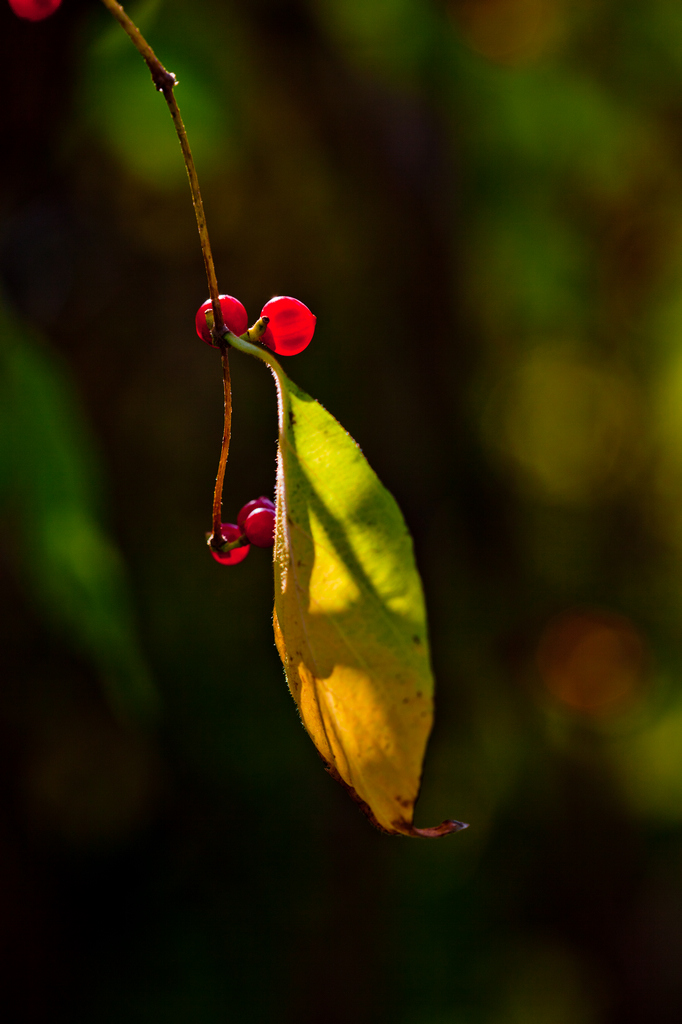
290	328
255	525
34	10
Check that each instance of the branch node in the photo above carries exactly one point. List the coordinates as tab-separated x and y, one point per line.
164	81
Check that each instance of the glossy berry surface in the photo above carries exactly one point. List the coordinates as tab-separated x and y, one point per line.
234	315
259	527
231	532
291	326
247	509
34	10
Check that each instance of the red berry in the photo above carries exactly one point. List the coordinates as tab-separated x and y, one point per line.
34	10
261	502
259	527
235	316
291	326
231	532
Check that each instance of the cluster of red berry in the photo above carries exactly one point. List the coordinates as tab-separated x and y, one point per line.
290	328
34	10
255	525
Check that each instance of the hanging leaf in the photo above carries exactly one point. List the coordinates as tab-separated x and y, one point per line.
350	622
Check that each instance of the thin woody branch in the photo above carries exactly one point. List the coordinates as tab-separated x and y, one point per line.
165	82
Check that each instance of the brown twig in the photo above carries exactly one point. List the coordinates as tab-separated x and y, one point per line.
217	537
165	82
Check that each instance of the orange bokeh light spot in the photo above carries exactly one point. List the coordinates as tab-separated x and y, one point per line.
509	31
592	661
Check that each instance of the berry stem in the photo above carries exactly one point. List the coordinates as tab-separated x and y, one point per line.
216	539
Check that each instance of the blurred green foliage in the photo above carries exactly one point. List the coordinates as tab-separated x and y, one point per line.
63	555
119	105
481	200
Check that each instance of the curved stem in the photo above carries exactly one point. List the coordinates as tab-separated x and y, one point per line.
217	539
264	354
165	82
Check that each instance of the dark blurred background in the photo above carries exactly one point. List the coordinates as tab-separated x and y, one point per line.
481	200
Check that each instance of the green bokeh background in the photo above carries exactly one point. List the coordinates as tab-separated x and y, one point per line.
481	200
